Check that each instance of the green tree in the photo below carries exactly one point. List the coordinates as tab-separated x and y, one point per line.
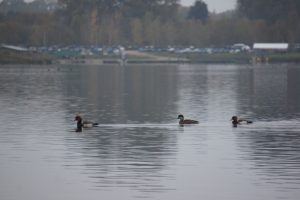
12	6
198	11
136	31
269	10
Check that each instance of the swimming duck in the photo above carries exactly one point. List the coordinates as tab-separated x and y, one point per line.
235	120
83	124
186	121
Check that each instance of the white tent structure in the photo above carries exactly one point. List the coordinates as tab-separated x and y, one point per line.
271	46
12	47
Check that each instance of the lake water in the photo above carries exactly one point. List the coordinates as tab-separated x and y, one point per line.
139	151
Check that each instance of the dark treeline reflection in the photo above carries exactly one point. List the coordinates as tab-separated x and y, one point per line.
293	90
268	92
151	93
111	94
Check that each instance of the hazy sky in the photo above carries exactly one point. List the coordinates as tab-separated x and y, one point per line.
214	5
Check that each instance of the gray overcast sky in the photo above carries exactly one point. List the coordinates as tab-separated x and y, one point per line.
214	5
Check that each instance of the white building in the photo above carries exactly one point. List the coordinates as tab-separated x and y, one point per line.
270	46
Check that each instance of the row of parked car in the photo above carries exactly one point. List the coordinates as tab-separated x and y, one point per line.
96	50
237	48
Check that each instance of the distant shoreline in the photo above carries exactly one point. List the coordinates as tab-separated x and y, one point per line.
134	57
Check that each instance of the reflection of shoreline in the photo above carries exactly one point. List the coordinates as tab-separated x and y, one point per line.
268	92
125	95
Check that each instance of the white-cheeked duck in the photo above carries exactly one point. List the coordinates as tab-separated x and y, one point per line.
235	121
83	124
183	121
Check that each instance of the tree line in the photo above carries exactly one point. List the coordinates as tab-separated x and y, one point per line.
148	22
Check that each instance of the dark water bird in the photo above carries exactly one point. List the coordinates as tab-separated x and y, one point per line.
83	124
235	121
186	121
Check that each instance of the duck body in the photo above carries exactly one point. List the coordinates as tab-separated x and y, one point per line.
183	121
87	124
235	121
83	124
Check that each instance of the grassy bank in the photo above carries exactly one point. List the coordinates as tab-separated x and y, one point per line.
287	57
211	58
231	57
15	57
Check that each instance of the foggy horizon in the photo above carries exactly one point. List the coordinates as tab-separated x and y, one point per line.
213	5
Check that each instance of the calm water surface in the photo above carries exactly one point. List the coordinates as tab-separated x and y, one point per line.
139	151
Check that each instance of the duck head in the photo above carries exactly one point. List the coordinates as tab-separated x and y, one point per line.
181	117
234	118
78	118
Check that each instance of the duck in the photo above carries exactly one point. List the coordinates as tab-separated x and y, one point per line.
186	121
235	120
83	124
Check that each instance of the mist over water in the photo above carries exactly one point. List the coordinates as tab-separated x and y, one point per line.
139	150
